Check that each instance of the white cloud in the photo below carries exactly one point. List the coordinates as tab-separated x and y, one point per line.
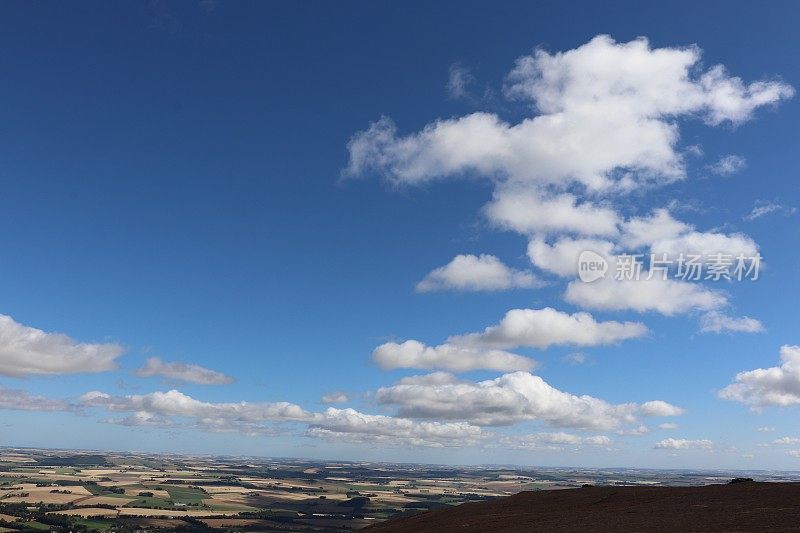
728	164
658	226
605	120
508	399
182	372
684	444
663	234
761	210
213	424
717	322
765	429
20	400
787	440
561	257
793	453
557	441
706	243
529	211
634	431
668	239
604	107
26	351
476	273
335	397
541	328
668	297
729	99
668	425
777	385
142	419
351	425
174	403
660	408
414	354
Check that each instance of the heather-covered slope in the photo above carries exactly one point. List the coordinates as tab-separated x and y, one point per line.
738	507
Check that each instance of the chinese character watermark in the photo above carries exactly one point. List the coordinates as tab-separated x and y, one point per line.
685	266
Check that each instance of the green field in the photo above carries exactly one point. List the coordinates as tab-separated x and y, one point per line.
99	490
155	503
187	495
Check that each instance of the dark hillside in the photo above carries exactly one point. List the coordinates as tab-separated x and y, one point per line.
746	506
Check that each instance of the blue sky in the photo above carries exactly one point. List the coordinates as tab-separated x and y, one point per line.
199	183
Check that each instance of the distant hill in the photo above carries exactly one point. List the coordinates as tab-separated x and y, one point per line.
742	506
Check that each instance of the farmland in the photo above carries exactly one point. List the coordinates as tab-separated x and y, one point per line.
90	491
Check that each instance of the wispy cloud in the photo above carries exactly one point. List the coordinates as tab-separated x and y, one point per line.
20	400
716	322
183	372
458	82
762	208
727	165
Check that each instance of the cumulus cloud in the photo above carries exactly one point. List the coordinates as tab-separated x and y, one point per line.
335	397
508	399
716	322
530	211
777	385
705	244
26	351
173	403
147	419
668	425
728	164
660	234
663	234
602	107
604	121
541	328
20	400
455	358
684	444
353	426
561	257
665	296
660	408
646	230
182	372
173	409
433	410
476	273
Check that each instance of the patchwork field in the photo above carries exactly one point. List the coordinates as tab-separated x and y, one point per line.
86	491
